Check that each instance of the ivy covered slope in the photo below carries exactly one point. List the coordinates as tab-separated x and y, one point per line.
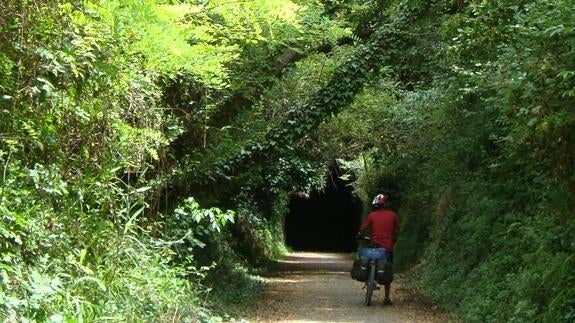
472	130
104	105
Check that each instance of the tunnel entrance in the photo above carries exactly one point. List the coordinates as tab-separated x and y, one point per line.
324	221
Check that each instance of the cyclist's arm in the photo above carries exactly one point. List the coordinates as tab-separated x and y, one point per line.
366	224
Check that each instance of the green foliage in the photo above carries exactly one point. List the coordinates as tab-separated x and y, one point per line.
476	143
262	233
62	263
338	92
83	148
96	100
193	224
113	112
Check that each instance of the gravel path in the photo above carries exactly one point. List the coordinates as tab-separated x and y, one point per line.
317	287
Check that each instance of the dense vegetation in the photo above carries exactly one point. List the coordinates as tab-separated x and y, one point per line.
147	146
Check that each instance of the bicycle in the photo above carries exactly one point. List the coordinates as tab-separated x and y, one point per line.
370	284
365	268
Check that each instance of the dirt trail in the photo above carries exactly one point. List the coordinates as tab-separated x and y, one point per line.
316	287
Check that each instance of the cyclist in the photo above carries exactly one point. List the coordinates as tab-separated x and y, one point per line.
384	227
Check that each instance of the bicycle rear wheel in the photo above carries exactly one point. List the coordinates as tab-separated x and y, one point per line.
370	284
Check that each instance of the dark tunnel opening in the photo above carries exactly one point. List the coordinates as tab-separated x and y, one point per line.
324	221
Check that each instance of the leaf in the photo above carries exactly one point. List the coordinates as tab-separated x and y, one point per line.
90	279
129	224
143	189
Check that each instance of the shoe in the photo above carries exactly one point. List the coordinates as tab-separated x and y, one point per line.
387	301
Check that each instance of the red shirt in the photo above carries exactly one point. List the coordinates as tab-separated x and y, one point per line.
384	227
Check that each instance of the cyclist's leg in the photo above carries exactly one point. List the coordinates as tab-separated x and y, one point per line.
387	286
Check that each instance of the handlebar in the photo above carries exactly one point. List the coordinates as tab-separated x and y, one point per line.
363	238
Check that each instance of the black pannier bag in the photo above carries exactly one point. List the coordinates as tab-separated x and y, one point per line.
359	270
383	272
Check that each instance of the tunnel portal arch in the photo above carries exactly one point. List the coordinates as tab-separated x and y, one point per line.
324	221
